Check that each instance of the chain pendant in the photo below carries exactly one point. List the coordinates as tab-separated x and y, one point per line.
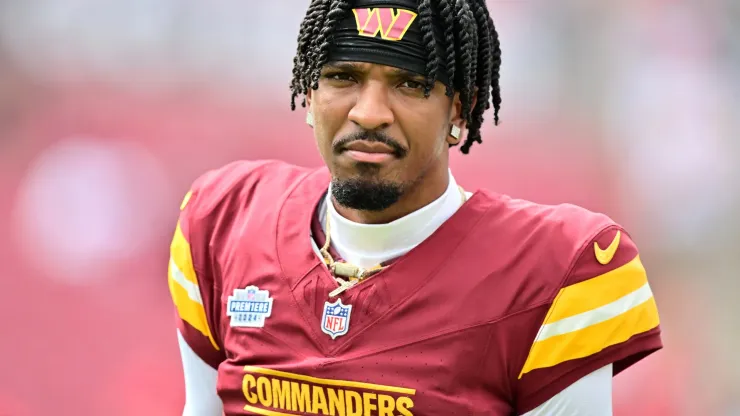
346	270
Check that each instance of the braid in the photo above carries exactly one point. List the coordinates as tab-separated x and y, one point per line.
306	39
425	23
465	27
321	15
496	71
471	57
449	19
484	77
338	9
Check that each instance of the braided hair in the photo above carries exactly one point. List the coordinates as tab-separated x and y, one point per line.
472	54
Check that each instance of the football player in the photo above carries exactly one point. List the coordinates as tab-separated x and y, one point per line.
379	286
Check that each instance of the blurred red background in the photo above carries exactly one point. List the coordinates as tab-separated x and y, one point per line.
108	110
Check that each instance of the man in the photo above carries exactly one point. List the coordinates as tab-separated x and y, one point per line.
377	285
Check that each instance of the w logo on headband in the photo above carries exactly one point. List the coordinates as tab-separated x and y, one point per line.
389	23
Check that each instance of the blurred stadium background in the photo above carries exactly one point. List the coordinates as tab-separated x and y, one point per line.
110	108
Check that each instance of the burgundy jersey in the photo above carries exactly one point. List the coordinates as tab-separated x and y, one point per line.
504	306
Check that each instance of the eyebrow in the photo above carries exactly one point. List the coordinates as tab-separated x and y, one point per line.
355	69
345	66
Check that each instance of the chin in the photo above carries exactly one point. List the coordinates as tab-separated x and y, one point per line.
366	194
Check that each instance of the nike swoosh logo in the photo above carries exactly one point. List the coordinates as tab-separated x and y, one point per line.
605	256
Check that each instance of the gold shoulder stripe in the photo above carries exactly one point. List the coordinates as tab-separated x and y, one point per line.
592	339
184	289
590	316
598	291
185	200
180	255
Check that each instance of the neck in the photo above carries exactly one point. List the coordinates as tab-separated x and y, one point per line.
366	245
417	196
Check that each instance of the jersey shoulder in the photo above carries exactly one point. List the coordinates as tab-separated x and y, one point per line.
214	202
595	305
550	243
566	225
237	185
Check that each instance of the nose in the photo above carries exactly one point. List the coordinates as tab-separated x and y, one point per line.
372	110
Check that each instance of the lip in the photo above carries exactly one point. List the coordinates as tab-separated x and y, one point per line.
369	147
368	157
369	152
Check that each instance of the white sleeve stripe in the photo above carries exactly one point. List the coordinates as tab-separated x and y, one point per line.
596	316
190	287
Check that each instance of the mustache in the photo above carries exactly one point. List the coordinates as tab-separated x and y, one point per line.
370	136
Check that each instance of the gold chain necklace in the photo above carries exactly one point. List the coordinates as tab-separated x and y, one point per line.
352	273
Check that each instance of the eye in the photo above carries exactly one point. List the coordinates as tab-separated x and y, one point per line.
338	76
412	84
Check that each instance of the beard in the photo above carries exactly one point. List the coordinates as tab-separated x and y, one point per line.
366	194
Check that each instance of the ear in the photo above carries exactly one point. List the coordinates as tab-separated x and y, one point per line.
309	113
457	121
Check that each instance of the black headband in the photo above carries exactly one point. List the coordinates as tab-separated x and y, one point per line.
385	32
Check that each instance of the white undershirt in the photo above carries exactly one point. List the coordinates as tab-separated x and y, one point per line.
367	245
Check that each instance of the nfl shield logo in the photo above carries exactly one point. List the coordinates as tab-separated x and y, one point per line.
335	321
